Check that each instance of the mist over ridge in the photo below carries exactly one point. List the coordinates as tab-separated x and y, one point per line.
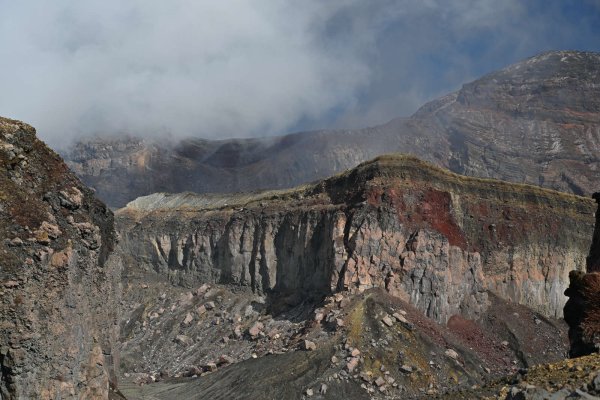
220	70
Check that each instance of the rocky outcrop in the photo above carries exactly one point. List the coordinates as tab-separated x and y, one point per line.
436	239
59	283
533	122
582	311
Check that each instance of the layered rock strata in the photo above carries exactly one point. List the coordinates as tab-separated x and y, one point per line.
59	283
439	240
536	122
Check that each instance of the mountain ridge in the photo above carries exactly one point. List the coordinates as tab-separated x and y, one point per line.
536	122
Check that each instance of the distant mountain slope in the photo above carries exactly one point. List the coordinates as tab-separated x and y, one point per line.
537	121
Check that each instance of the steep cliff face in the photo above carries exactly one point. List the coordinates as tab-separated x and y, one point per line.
436	239
59	283
534	122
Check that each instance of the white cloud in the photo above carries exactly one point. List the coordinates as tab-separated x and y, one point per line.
213	68
238	68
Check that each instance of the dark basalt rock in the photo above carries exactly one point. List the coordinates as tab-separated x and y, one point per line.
582	310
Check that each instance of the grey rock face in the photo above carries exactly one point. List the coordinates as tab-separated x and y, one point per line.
536	122
433	238
59	283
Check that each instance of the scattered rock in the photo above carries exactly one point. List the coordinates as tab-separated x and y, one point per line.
407	369
190	371
142	379
249	311
225	359
309	392
451	353
211	293
319	315
186	298
345	302
188	319
71	198
323	389
52	230
380	381
400	318
366	376
387	320
256	329
210	367
352	364
16	242
308	345
596	383
237	331
183	340
202	289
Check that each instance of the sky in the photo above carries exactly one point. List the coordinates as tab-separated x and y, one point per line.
220	69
